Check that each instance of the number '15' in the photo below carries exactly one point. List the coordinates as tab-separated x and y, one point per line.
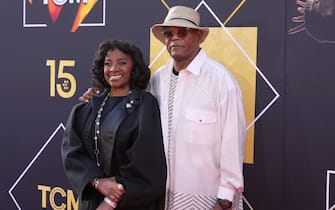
67	88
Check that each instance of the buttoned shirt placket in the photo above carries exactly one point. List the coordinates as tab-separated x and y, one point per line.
170	152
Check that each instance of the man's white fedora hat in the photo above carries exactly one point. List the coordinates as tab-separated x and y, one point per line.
180	16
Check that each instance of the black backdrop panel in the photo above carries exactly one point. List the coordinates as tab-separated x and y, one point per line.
294	142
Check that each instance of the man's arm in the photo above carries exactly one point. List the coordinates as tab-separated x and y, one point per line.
232	144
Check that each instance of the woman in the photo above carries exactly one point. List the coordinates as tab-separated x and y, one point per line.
112	148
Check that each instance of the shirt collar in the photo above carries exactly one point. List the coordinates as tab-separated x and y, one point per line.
195	66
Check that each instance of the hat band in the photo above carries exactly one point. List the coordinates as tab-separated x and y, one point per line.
186	20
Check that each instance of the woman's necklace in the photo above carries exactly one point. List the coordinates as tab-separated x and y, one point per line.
97	130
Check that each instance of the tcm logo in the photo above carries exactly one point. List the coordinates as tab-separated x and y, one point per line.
41	14
57	198
60	2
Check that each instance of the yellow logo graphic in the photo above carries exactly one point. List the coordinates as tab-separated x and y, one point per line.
68	86
54	197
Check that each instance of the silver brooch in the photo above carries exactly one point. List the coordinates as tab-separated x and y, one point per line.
129	104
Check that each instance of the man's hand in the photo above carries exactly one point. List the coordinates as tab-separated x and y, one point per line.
90	92
218	206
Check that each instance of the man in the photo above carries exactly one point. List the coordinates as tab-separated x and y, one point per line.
202	119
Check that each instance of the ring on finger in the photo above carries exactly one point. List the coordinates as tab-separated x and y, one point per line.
119	186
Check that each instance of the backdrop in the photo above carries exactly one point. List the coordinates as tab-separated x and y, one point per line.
281	52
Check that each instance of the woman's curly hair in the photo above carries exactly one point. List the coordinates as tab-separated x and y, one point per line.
140	73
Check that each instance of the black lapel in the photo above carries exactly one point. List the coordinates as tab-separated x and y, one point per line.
112	122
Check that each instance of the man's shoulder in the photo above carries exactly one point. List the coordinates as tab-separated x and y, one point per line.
216	67
161	70
165	67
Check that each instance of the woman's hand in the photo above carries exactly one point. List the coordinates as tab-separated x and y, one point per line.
111	189
104	206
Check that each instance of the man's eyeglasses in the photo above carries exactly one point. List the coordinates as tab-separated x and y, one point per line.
181	33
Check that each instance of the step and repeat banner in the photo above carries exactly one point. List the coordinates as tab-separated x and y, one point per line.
281	53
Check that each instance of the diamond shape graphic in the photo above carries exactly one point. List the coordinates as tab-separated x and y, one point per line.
45	169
